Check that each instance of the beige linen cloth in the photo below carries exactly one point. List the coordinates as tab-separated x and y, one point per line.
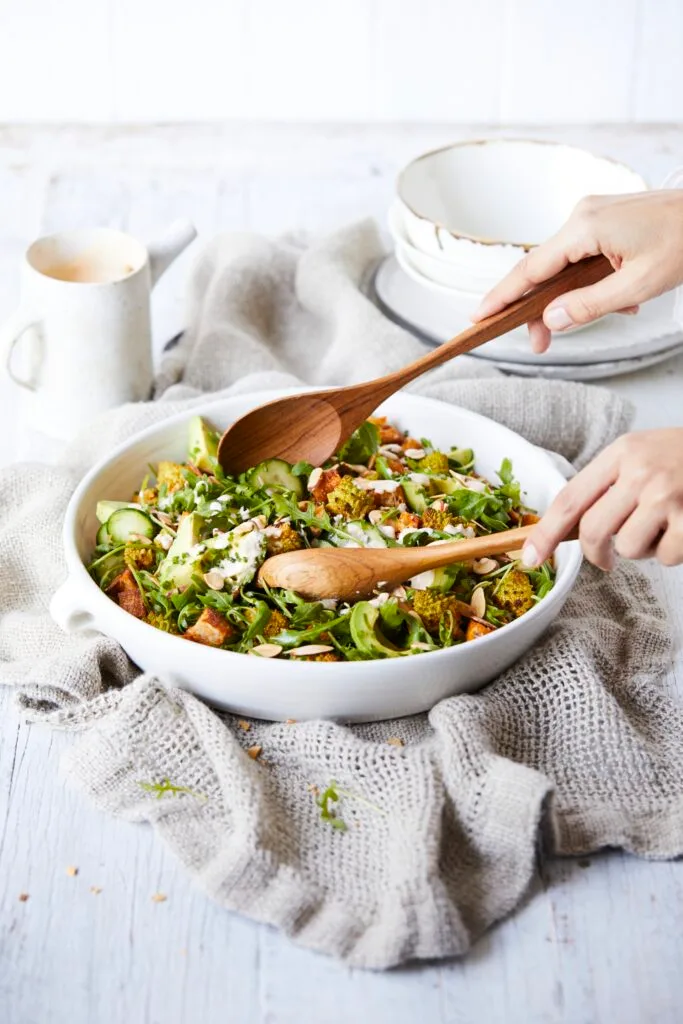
577	745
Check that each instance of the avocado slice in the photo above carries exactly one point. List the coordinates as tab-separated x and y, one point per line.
461	456
367	635
105	508
445	576
416	497
182	560
202	444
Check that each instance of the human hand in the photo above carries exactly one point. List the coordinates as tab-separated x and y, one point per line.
629	500
640	234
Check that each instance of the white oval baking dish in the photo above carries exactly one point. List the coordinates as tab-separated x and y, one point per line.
279	689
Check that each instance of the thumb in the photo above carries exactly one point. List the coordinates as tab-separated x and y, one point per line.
615	292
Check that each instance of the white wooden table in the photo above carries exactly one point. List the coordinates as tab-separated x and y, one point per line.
599	940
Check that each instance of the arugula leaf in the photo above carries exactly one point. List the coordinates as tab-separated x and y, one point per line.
510	487
471	504
294	637
505	471
363	443
310	613
302	468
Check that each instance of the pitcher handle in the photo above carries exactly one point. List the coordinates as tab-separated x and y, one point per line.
10	335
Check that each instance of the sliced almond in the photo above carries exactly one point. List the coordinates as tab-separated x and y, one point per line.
439	505
309	650
375	516
414	453
259	522
214	580
315	478
399	593
478	602
391	449
482	566
266	650
515	555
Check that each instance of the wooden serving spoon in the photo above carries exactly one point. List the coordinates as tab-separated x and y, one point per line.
350	574
311	427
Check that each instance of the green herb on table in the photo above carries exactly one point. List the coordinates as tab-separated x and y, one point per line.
331	796
168	788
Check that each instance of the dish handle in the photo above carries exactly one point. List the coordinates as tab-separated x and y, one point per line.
67	611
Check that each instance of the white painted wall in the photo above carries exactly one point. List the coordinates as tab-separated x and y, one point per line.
466	61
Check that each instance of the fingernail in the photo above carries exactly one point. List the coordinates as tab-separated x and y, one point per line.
530	557
557	318
481	311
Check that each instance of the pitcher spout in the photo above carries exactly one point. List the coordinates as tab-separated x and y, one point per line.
164	251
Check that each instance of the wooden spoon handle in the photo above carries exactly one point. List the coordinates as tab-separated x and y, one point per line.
529	307
436	555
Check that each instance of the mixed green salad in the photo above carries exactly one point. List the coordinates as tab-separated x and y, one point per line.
183	554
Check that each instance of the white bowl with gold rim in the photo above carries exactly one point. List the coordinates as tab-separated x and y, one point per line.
481	204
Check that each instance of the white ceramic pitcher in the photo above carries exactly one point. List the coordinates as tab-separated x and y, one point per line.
80	341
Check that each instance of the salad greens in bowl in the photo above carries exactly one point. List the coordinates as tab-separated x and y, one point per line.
183	554
163	551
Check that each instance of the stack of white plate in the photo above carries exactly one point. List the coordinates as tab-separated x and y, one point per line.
464	215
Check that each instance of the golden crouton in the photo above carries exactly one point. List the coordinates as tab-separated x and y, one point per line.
287	539
475	629
387	433
329	479
125	591
389	499
211	628
408	521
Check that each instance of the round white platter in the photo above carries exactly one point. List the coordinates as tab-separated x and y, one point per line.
633	341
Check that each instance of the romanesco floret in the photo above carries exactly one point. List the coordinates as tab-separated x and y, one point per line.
435	608
171	474
514	592
139	556
435	462
160	621
436	519
287	540
276	623
349	501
